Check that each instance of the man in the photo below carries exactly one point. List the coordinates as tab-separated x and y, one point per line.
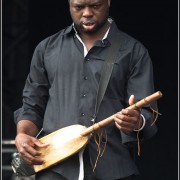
61	90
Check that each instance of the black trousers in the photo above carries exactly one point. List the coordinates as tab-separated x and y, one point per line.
49	175
88	172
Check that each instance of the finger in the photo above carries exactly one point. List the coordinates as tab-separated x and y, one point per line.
130	112
131	100
30	150
30	155
124	124
125	118
26	149
124	129
32	160
124	121
39	143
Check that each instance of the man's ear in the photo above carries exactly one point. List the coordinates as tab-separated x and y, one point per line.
109	2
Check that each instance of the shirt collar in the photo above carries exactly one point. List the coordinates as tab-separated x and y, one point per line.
85	49
112	31
105	36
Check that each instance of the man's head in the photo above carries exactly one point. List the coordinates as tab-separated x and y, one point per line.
89	16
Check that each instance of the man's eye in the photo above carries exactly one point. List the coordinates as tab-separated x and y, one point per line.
78	7
96	6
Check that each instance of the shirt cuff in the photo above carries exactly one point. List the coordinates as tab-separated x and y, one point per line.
144	122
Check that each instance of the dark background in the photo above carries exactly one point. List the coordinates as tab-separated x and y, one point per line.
153	22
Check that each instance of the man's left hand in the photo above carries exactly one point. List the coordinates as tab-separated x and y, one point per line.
128	120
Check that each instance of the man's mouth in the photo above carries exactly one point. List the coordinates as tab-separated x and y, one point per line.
88	25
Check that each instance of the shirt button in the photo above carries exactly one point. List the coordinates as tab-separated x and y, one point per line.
83	95
85	77
87	59
82	114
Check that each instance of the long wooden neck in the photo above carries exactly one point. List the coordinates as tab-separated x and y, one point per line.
147	100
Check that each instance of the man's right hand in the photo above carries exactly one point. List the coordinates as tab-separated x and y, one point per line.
27	147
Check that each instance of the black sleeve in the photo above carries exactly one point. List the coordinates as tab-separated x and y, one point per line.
35	93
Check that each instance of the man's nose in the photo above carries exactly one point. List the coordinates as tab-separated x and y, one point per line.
87	12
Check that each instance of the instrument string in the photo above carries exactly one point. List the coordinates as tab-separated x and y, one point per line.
98	138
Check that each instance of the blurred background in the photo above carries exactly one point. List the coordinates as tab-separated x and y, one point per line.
153	22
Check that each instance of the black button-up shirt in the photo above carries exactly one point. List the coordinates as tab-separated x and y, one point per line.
61	90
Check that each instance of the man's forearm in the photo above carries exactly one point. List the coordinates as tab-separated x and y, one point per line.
27	127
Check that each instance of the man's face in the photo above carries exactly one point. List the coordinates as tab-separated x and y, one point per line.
89	15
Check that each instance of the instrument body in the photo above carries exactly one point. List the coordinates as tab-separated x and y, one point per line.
62	143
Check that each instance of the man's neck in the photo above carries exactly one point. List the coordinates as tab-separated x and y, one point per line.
90	39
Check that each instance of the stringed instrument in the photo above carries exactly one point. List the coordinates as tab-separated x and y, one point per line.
69	140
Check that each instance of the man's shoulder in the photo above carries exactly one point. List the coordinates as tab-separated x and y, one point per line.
129	43
54	38
130	40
